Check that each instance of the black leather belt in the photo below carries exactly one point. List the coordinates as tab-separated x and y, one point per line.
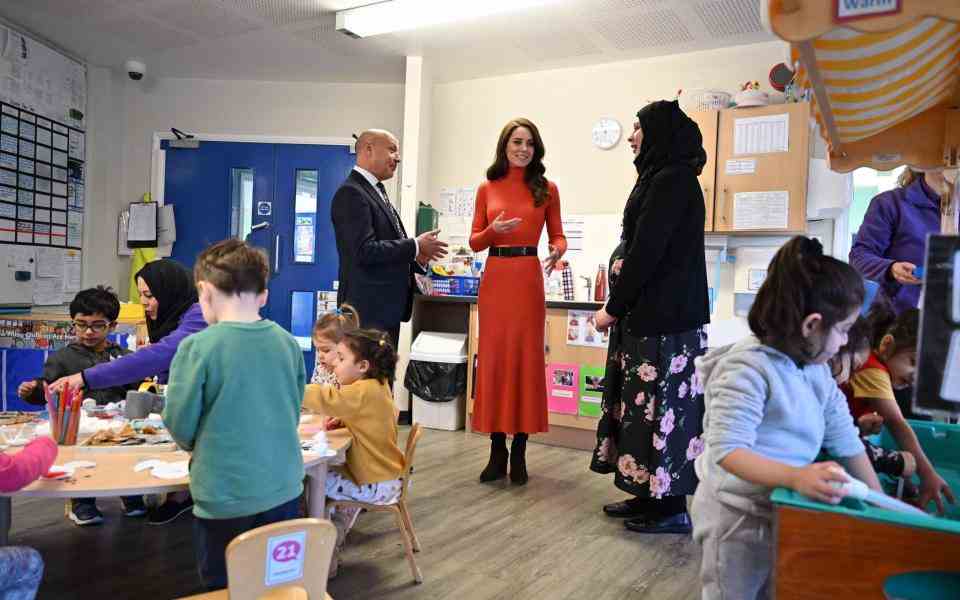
511	251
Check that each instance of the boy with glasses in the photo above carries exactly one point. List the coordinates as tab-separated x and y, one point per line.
94	312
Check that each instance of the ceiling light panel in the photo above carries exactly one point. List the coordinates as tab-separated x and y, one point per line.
404	15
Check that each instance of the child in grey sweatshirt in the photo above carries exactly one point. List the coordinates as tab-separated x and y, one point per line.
771	405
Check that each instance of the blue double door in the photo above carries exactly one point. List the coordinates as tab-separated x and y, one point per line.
278	197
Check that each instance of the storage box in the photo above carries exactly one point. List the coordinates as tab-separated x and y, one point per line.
444	348
449	416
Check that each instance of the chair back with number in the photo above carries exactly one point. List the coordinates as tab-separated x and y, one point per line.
290	554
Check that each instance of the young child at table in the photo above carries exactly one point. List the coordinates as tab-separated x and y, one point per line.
94	313
365	367
850	358
891	365
327	333
21	568
233	400
771	405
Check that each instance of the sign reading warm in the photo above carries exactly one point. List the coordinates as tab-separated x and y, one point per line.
856	9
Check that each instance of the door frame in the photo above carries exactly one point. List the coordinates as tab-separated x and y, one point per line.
158	156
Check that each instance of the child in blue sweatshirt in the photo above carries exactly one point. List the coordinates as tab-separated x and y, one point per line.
771	405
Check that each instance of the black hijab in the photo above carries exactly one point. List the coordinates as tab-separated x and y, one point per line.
670	138
172	285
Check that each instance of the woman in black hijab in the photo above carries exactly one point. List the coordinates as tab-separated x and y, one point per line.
169	298
651	428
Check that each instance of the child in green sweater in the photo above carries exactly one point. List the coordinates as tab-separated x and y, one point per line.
234	401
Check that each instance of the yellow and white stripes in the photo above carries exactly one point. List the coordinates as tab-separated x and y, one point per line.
874	81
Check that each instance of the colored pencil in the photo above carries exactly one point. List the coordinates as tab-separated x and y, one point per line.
64	398
75	419
49	398
64	431
54	417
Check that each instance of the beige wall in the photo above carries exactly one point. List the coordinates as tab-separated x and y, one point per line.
564	104
125	114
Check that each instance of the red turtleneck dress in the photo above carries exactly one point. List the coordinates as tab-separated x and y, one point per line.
511	394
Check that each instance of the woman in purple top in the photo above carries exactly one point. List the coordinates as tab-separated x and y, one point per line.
169	298
892	240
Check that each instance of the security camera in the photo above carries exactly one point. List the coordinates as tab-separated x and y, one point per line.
135	69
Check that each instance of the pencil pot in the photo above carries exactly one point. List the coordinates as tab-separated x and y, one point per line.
139	405
64	409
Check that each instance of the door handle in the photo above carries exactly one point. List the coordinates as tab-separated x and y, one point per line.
276	254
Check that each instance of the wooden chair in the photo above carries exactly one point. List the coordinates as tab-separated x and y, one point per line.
247	563
399	508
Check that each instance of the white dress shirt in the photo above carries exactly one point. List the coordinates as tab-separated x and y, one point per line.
373	181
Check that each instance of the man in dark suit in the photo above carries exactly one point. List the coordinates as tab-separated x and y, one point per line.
377	259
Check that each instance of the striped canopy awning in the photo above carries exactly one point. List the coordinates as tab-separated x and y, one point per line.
883	86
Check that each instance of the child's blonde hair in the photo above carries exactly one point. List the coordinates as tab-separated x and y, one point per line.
333	325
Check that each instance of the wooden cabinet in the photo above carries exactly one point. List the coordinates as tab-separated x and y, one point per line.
708	120
775	172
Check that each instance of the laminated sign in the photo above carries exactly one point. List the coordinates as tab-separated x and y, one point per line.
285	555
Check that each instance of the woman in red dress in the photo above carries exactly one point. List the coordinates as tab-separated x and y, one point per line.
512	207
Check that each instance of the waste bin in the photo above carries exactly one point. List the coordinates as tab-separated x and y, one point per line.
437	379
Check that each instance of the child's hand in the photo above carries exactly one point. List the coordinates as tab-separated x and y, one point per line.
870	424
813	481
931	488
332	423
26	388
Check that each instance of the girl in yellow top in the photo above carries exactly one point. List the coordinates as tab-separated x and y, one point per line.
365	367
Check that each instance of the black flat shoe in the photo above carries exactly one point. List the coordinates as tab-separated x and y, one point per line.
674	524
627	509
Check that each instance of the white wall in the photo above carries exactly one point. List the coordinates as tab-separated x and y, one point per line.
105	165
125	114
564	104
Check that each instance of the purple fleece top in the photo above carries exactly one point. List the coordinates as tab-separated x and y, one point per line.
148	361
895	229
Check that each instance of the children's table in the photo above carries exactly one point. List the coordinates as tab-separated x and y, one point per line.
113	475
851	550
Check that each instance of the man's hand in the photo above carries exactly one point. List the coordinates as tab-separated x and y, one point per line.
431	247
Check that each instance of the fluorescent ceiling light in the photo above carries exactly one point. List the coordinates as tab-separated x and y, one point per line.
402	15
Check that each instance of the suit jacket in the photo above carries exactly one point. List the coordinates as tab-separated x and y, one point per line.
377	260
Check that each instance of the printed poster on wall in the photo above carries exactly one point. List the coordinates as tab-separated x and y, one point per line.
562	383
582	330
591	390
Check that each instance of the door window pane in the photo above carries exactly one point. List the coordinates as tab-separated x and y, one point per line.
301	319
305	217
241	202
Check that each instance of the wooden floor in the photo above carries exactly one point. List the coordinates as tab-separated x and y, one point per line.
547	539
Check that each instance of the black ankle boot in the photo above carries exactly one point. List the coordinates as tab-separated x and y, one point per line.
518	459
497	466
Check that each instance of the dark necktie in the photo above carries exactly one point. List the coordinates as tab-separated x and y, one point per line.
386	201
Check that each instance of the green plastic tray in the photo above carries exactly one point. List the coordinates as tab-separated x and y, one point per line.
941	443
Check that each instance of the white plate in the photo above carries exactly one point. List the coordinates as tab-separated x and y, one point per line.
67	473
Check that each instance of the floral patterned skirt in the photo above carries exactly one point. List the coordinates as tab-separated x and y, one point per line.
651	429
